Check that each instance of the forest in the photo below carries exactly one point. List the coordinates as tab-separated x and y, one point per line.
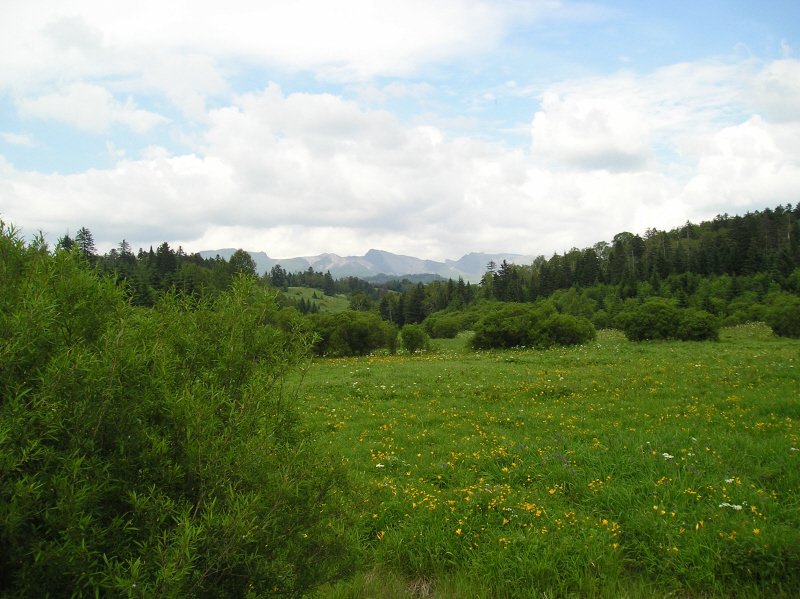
731	269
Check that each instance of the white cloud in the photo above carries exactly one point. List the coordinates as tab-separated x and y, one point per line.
752	163
113	152
17	139
592	133
777	90
89	108
49	41
302	173
684	98
374	95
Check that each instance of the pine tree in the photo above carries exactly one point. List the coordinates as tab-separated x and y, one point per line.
330	288
65	243
85	243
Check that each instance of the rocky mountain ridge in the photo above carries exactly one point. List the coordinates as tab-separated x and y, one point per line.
470	267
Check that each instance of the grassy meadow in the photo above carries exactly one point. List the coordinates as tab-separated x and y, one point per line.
614	469
326	303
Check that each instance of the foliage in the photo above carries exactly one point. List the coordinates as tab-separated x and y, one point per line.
655	319
392	338
350	333
85	243
242	263
154	453
414	338
662	319
728	267
527	325
698	325
360	302
783	316
446	325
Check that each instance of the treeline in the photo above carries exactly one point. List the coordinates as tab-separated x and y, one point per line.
728	267
732	268
149	274
765	242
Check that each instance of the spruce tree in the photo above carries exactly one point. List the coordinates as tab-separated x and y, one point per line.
85	243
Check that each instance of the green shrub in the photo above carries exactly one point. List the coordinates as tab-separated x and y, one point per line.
447	325
414	338
392	337
350	333
698	325
742	312
661	319
564	329
539	326
601	320
154	452
783	316
656	319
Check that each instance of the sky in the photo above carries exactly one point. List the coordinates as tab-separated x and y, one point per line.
429	129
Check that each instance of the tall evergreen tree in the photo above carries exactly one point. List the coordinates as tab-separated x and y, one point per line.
65	243
85	243
329	286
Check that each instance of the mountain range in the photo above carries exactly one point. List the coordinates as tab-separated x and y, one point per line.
471	267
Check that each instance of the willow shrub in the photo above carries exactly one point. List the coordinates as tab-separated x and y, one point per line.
414	338
154	452
351	333
783	316
447	325
660	318
530	325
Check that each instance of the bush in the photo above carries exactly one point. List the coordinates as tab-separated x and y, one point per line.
564	329
601	320
350	333
783	316
538	326
655	319
446	325
392	334
154	452
414	338
743	312
661	319
698	325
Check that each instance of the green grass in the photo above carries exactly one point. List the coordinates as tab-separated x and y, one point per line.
326	303
607	470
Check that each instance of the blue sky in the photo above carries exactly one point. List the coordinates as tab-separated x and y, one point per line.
429	129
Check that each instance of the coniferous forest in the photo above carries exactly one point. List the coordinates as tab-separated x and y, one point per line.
732	268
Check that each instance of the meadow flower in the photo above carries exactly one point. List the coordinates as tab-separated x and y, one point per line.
667	456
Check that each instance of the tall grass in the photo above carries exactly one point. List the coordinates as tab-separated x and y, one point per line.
605	470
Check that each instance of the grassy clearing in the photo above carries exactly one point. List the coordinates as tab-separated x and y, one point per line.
326	303
606	470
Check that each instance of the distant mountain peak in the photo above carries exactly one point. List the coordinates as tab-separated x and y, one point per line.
471	267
